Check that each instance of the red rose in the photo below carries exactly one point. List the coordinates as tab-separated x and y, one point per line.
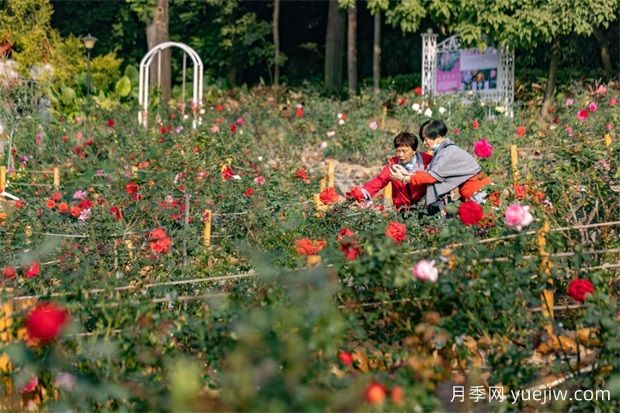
299	111
116	212
75	211
56	196
345	233
345	358
396	231
111	123
233	128
303	175
50	203
85	204
159	241
579	288
398	395
520	191
63	207
248	192
356	193
475	124
375	393
46	321
350	250
219	108
9	272
30	386
329	196
131	188
418	91
306	246
19	204
521	130
227	173
32	270
470	213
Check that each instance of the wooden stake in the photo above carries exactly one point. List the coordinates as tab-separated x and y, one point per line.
6	321
56	178
206	235
322	184
331	168
387	194
608	139
134	171
514	159
2	178
313	260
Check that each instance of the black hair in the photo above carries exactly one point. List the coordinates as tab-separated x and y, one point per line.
406	138
432	129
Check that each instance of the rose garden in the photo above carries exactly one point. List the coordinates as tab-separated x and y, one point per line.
220	255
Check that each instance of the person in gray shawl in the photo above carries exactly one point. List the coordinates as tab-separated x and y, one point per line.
452	174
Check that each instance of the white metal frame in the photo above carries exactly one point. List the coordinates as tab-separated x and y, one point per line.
504	94
143	92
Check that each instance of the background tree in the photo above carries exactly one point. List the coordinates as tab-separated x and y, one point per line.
276	42
334	46
352	49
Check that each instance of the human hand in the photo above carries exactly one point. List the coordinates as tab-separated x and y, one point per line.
399	173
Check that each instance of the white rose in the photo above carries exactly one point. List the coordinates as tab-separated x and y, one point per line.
442	110
415	106
428	112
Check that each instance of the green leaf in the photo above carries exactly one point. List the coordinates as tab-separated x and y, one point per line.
123	87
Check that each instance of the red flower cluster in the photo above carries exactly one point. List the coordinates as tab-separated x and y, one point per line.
302	174
521	130
116	213
579	288
348	244
32	270
470	213
248	192
227	173
396	231
356	193
475	124
329	196
46	321
306	246
159	241
132	189
418	91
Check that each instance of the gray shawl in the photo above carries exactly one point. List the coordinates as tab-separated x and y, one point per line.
451	166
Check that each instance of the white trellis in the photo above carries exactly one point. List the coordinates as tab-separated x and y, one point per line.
145	64
503	95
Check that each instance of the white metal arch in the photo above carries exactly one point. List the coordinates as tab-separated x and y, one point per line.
145	64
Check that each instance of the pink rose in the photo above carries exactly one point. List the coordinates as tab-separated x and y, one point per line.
569	102
373	125
215	129
592	107
483	149
583	115
259	180
613	101
425	271
518	216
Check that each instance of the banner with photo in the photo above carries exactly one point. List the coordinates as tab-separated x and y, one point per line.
467	69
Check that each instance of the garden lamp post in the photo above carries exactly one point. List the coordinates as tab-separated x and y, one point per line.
89	43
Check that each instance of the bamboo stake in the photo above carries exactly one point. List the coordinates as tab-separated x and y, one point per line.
383	116
608	139
387	194
545	270
206	235
2	178
56	178
514	160
331	168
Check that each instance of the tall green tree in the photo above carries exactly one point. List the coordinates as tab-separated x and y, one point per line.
334	46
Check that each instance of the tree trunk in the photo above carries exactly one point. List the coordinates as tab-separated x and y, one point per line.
276	42
605	55
334	46
156	33
352	50
553	71
376	54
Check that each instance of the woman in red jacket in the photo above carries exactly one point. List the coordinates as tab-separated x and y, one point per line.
403	194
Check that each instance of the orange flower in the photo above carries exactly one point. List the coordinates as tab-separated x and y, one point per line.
396	231
375	393
521	130
475	124
329	196
63	207
50	203
306	246
160	242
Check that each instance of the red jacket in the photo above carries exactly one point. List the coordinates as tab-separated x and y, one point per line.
402	194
